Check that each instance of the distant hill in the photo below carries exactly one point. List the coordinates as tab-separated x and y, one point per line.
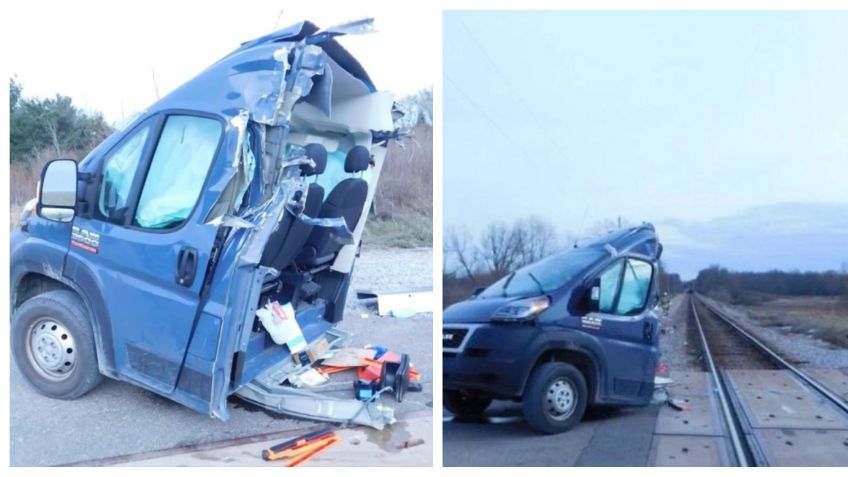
805	237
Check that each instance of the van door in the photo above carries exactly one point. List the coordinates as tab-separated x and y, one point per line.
627	328
146	244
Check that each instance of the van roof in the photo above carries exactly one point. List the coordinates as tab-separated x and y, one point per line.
639	239
249	77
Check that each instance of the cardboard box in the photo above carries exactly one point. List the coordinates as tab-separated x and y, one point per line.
313	353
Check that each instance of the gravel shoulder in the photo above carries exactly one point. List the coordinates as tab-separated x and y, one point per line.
801	349
678	342
678	347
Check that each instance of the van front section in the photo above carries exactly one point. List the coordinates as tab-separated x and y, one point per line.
243	192
291	215
573	329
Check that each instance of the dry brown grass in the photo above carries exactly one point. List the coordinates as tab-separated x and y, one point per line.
403	202
23	179
406	182
825	318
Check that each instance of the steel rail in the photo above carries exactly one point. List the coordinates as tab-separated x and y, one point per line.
733	427
830	395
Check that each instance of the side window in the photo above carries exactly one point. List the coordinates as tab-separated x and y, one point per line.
610	280
634	286
119	169
177	171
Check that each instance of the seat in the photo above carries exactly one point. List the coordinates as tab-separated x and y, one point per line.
289	238
347	199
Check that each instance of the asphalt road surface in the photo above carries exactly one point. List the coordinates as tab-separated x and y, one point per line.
118	419
605	437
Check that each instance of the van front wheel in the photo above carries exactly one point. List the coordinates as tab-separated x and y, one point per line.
53	345
555	398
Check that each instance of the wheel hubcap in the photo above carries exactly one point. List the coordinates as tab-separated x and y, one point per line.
560	399
51	349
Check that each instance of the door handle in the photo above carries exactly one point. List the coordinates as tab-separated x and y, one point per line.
186	266
648	331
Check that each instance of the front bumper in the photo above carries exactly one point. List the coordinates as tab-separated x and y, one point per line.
488	359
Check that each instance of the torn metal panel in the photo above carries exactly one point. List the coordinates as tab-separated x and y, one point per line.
240	175
231	222
310	405
356	27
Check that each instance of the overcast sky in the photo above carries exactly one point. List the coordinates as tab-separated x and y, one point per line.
104	56
650	115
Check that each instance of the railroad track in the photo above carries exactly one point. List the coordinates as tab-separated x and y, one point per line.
774	412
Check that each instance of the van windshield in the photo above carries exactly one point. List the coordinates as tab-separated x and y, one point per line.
546	275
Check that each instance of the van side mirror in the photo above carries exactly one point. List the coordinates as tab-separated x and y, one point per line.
595	295
57	190
478	291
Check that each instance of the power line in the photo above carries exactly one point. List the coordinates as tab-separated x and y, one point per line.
550	137
480	109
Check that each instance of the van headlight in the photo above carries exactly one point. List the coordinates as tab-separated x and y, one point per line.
27	211
522	309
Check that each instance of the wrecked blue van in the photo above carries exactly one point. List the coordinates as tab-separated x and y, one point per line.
577	328
246	186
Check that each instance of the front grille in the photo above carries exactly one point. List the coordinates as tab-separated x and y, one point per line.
452	337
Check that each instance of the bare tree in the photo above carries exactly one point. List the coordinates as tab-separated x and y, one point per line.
535	239
499	248
459	247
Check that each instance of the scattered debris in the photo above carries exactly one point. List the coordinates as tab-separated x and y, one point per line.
403	304
396	376
310	377
381	350
303	448
280	322
661	394
677	404
410	443
313	354
349	357
365	390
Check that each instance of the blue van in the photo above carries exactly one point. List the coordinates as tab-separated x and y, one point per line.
574	329
248	185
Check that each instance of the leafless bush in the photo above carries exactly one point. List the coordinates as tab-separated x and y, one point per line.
24	176
406	182
456	289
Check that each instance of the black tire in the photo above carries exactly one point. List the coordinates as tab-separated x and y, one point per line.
464	405
551	387
75	355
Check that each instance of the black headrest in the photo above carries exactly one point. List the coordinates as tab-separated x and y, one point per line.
358	159
317	153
